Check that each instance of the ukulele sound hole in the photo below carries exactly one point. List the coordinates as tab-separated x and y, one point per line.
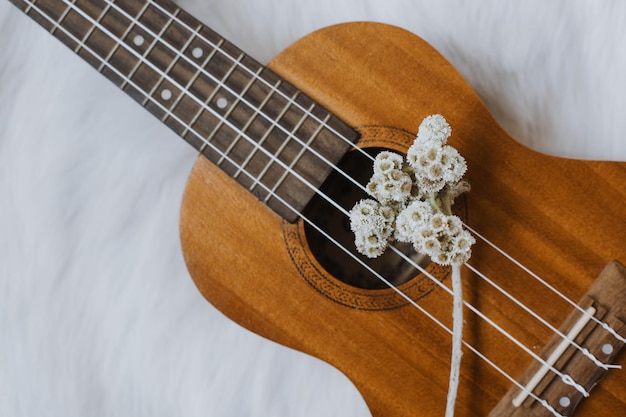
327	217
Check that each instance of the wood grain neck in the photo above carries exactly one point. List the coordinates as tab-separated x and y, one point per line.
262	131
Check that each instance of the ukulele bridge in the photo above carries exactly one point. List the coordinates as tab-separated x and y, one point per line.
595	326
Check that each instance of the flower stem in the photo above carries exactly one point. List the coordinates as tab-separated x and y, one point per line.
457	339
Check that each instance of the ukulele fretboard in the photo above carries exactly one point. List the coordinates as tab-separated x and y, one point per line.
269	136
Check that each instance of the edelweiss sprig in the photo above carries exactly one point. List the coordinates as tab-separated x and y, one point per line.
414	205
414	199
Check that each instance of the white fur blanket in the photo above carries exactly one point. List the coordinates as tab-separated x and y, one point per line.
98	316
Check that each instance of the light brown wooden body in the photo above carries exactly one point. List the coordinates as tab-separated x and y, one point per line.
564	219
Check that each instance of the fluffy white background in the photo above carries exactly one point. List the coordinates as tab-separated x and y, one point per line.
98	316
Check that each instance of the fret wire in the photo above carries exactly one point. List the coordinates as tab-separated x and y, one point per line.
193	36
261	105
222	82
150	64
119	41
330	128
282	147
297	158
263	139
237	62
149	49
228	113
93	27
221	119
29	7
62	17
33	6
179	54
190	83
255	144
250	120
156	102
227	88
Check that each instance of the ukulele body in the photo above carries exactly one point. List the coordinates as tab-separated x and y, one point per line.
563	219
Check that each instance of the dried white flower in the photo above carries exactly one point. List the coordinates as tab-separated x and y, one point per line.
372	225
387	161
441	237
393	186
389	184
438	222
435	128
435	165
453	163
411	219
413	202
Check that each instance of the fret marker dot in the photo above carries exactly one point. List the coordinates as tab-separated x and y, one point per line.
197	52
607	349
222	102
564	402
139	40
166	94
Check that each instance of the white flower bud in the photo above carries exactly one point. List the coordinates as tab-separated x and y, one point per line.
411	219
454	164
391	186
371	245
386	161
438	222
371	224
435	128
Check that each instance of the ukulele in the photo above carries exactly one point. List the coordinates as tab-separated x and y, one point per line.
289	144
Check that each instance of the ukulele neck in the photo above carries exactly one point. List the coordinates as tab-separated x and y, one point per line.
258	128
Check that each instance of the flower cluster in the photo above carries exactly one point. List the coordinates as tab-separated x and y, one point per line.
436	164
414	199
435	234
389	183
372	224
